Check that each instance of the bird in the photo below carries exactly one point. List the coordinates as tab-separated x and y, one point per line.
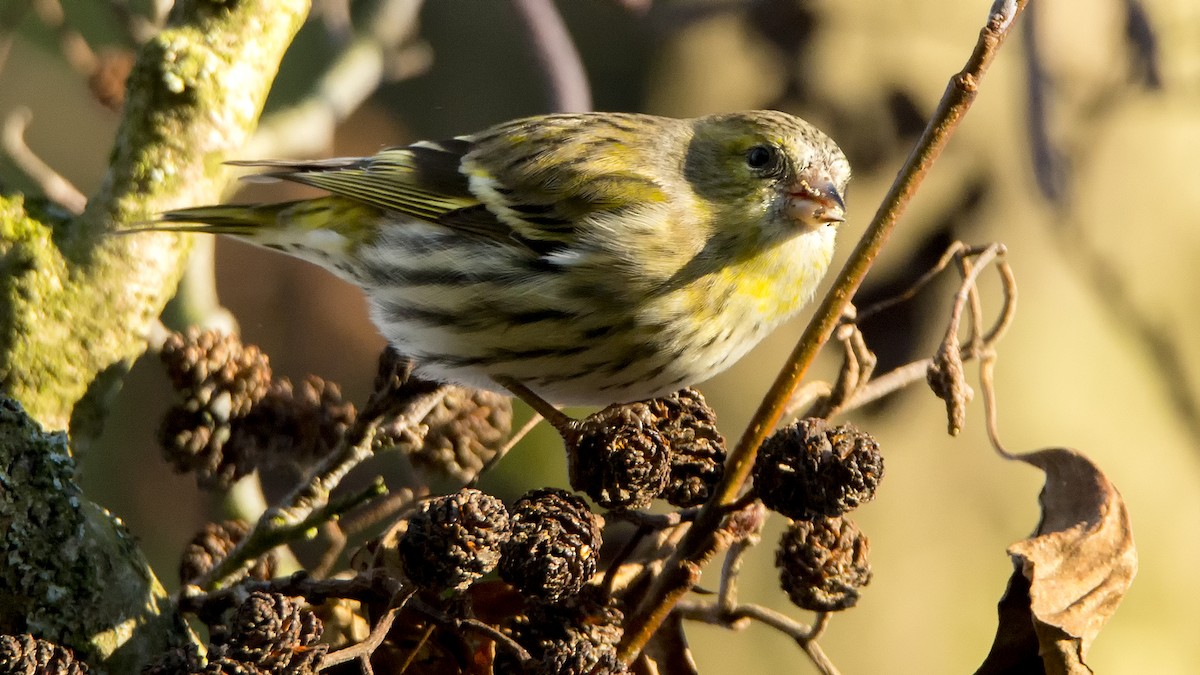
571	259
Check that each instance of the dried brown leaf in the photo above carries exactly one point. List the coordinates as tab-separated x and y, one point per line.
1071	574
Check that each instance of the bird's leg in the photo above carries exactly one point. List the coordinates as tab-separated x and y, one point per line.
563	423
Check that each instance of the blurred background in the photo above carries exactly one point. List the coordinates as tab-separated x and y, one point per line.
1080	155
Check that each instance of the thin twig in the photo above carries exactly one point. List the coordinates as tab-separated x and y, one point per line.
699	542
507	447
987	361
948	256
332	531
503	641
411	656
363	650
75	49
377	585
902	376
475	626
889	383
137	28
394	505
805	397
609	584
562	422
311	496
737	617
556	52
1008	282
970	274
384	28
9	18
388	508
56	188
654	521
858	366
987	383
727	595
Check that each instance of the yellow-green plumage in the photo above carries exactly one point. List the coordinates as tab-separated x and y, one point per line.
594	258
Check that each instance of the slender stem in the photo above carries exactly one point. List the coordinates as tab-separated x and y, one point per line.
562	422
364	649
52	184
556	52
306	506
735	618
670	586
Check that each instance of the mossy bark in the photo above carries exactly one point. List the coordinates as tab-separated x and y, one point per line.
76	305
75	302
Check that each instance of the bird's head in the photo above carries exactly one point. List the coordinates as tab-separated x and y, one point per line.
766	175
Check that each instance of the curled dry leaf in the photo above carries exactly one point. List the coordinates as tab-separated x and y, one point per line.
948	382
1071	575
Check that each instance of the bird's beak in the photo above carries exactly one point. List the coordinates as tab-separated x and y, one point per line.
813	201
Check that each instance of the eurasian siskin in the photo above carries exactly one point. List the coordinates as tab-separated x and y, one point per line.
591	258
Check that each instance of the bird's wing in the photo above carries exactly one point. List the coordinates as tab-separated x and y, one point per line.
528	181
544	177
421	180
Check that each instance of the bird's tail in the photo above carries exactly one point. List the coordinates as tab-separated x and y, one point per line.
331	225
247	221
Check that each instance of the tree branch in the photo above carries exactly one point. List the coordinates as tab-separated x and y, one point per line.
77	305
699	544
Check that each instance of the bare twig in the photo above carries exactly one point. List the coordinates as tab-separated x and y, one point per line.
363	650
945	375
858	365
736	618
508	446
334	534
700	541
386	509
503	641
74	48
9	18
137	28
987	367
56	188
409	658
475	626
391	507
654	521
952	252
371	586
727	595
562	422
609	584
385	27
556	52
987	360
306	504
875	388
280	531
805	397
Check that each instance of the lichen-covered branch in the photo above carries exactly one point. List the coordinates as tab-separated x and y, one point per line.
75	303
72	573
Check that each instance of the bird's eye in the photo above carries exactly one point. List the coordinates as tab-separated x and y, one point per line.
765	159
